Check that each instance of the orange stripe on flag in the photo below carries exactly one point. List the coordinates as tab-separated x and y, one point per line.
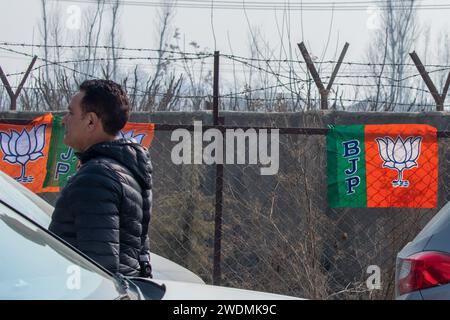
24	151
401	166
141	132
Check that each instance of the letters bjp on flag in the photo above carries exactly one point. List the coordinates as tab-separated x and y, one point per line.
24	149
62	161
35	155
392	165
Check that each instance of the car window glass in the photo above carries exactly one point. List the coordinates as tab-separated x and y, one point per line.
35	265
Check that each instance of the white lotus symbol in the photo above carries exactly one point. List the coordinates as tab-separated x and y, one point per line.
399	155
130	135
23	147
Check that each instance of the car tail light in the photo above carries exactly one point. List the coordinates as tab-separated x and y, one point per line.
423	270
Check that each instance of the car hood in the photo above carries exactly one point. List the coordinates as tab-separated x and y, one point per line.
165	269
176	290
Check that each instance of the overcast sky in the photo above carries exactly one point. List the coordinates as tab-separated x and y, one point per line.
137	28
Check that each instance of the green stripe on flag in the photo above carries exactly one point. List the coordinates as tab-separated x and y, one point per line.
62	162
346	167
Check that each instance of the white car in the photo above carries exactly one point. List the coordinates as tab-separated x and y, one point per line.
42	266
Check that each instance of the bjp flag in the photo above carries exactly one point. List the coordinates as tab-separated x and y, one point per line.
142	133
62	162
393	165
24	150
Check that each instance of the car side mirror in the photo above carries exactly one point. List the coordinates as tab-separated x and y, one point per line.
150	289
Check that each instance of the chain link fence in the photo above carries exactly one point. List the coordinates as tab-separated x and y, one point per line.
278	232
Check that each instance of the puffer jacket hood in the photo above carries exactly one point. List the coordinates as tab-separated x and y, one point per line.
128	153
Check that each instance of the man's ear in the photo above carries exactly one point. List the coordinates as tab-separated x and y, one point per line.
93	120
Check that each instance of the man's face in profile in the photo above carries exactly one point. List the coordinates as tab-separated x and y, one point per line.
75	124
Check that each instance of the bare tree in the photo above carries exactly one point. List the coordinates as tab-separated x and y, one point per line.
114	35
389	49
165	16
198	76
45	34
51	89
443	57
92	30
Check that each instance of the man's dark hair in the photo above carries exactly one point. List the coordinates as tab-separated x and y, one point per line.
109	101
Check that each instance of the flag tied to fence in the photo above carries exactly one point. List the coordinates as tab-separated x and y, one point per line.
35	155
393	165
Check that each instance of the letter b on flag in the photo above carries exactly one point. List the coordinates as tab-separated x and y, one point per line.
351	148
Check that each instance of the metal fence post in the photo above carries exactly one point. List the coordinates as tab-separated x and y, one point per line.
439	99
312	69
219	181
14	95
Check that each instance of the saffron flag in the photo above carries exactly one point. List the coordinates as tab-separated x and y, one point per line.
62	161
393	165
35	155
24	150
142	133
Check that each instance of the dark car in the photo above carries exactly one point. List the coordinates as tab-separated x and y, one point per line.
423	265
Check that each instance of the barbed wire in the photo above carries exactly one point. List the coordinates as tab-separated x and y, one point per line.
210	54
47	61
365	64
331	100
258	89
262	69
336	83
16	44
375	85
373	76
244	91
238	95
23	72
127	88
60	63
292	79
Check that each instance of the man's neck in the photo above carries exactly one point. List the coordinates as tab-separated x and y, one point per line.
99	139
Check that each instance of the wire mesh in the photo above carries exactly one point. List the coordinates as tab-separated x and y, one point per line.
278	233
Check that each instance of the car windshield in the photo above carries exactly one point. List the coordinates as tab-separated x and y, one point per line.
35	265
24	200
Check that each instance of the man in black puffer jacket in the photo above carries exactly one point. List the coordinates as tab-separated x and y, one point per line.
104	210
